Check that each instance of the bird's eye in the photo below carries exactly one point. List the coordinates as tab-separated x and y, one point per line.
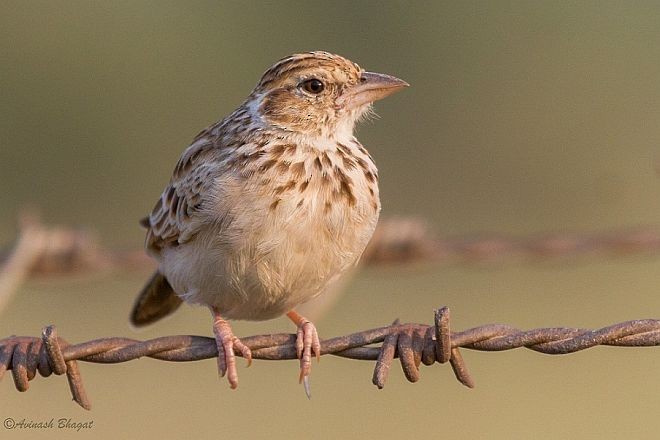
314	86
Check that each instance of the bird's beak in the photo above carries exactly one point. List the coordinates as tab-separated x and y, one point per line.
372	87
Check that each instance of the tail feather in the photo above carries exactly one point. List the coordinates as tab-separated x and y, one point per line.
156	300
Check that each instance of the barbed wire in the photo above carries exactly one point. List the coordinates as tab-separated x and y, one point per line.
398	240
413	344
43	251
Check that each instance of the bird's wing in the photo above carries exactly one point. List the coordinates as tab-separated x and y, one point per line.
176	217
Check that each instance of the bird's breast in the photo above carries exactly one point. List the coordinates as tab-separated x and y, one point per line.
299	217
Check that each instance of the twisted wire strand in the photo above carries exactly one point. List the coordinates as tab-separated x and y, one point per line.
413	344
61	251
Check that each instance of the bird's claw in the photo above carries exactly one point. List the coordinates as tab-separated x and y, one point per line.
307	343
227	344
308	388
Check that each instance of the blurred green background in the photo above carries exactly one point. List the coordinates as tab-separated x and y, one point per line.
522	117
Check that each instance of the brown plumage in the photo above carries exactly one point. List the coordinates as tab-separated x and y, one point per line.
269	205
156	300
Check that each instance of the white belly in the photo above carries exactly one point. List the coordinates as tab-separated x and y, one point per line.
259	262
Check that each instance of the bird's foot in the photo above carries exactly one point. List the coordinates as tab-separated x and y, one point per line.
227	344
307	343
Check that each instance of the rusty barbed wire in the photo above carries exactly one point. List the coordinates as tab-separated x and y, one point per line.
398	240
413	344
42	251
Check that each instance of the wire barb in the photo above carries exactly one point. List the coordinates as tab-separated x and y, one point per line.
413	344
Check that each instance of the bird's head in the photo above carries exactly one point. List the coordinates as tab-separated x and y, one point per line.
319	94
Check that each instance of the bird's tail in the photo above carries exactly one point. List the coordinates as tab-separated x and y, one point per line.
156	300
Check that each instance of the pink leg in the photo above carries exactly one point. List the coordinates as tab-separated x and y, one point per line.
226	343
307	342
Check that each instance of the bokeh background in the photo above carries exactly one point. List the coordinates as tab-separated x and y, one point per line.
523	117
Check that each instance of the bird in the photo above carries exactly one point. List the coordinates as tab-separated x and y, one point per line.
269	205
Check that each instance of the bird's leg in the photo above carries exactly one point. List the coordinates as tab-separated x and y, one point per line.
227	343
307	342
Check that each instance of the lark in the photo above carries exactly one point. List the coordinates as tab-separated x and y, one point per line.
269	205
